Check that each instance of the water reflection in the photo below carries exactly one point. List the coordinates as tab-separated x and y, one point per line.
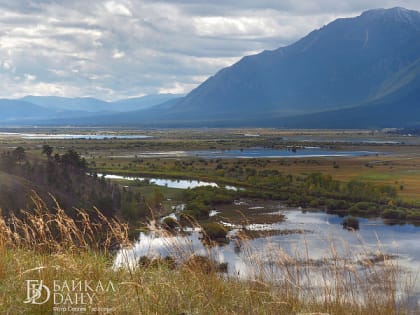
276	153
171	183
327	238
293	152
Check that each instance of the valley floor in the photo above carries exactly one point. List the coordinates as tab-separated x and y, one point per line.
389	170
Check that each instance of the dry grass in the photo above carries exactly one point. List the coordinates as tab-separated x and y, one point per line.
53	230
47	244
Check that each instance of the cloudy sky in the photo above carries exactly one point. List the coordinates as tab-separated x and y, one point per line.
125	48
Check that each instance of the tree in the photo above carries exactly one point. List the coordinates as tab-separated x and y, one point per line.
72	158
19	154
47	150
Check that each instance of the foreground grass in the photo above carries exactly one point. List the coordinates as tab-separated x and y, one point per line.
159	289
156	290
48	245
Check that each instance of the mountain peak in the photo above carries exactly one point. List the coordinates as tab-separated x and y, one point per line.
348	63
361	71
396	13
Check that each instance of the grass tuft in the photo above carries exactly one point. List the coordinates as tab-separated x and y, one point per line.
49	245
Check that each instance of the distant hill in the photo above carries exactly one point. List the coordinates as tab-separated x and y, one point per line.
12	110
39	109
360	72
21	112
149	117
369	63
88	104
139	103
65	177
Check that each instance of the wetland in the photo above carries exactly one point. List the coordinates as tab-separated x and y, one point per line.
260	189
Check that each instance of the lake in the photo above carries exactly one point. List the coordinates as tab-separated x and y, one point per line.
300	152
323	235
58	136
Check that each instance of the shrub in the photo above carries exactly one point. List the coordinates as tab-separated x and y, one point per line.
314	203
169	223
414	215
394	214
214	231
197	210
350	223
332	204
200	200
200	264
364	208
167	262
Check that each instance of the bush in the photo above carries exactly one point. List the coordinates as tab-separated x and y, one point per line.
169	223
205	265
147	262
214	231
333	204
314	203
350	223
197	210
200	200
414	215
364	208
394	214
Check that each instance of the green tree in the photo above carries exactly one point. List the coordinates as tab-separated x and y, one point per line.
73	158
19	154
47	150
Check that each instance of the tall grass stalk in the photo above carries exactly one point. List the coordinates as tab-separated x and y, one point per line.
47	244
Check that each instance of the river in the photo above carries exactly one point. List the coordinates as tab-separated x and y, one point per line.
170	183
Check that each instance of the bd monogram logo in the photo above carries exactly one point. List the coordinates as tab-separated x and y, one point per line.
36	292
69	295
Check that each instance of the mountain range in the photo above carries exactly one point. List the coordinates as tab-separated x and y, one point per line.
41	109
360	72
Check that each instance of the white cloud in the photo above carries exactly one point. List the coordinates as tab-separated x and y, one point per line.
177	88
118	54
114	7
29	77
7	65
122	48
234	26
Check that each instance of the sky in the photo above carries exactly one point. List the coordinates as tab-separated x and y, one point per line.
128	48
